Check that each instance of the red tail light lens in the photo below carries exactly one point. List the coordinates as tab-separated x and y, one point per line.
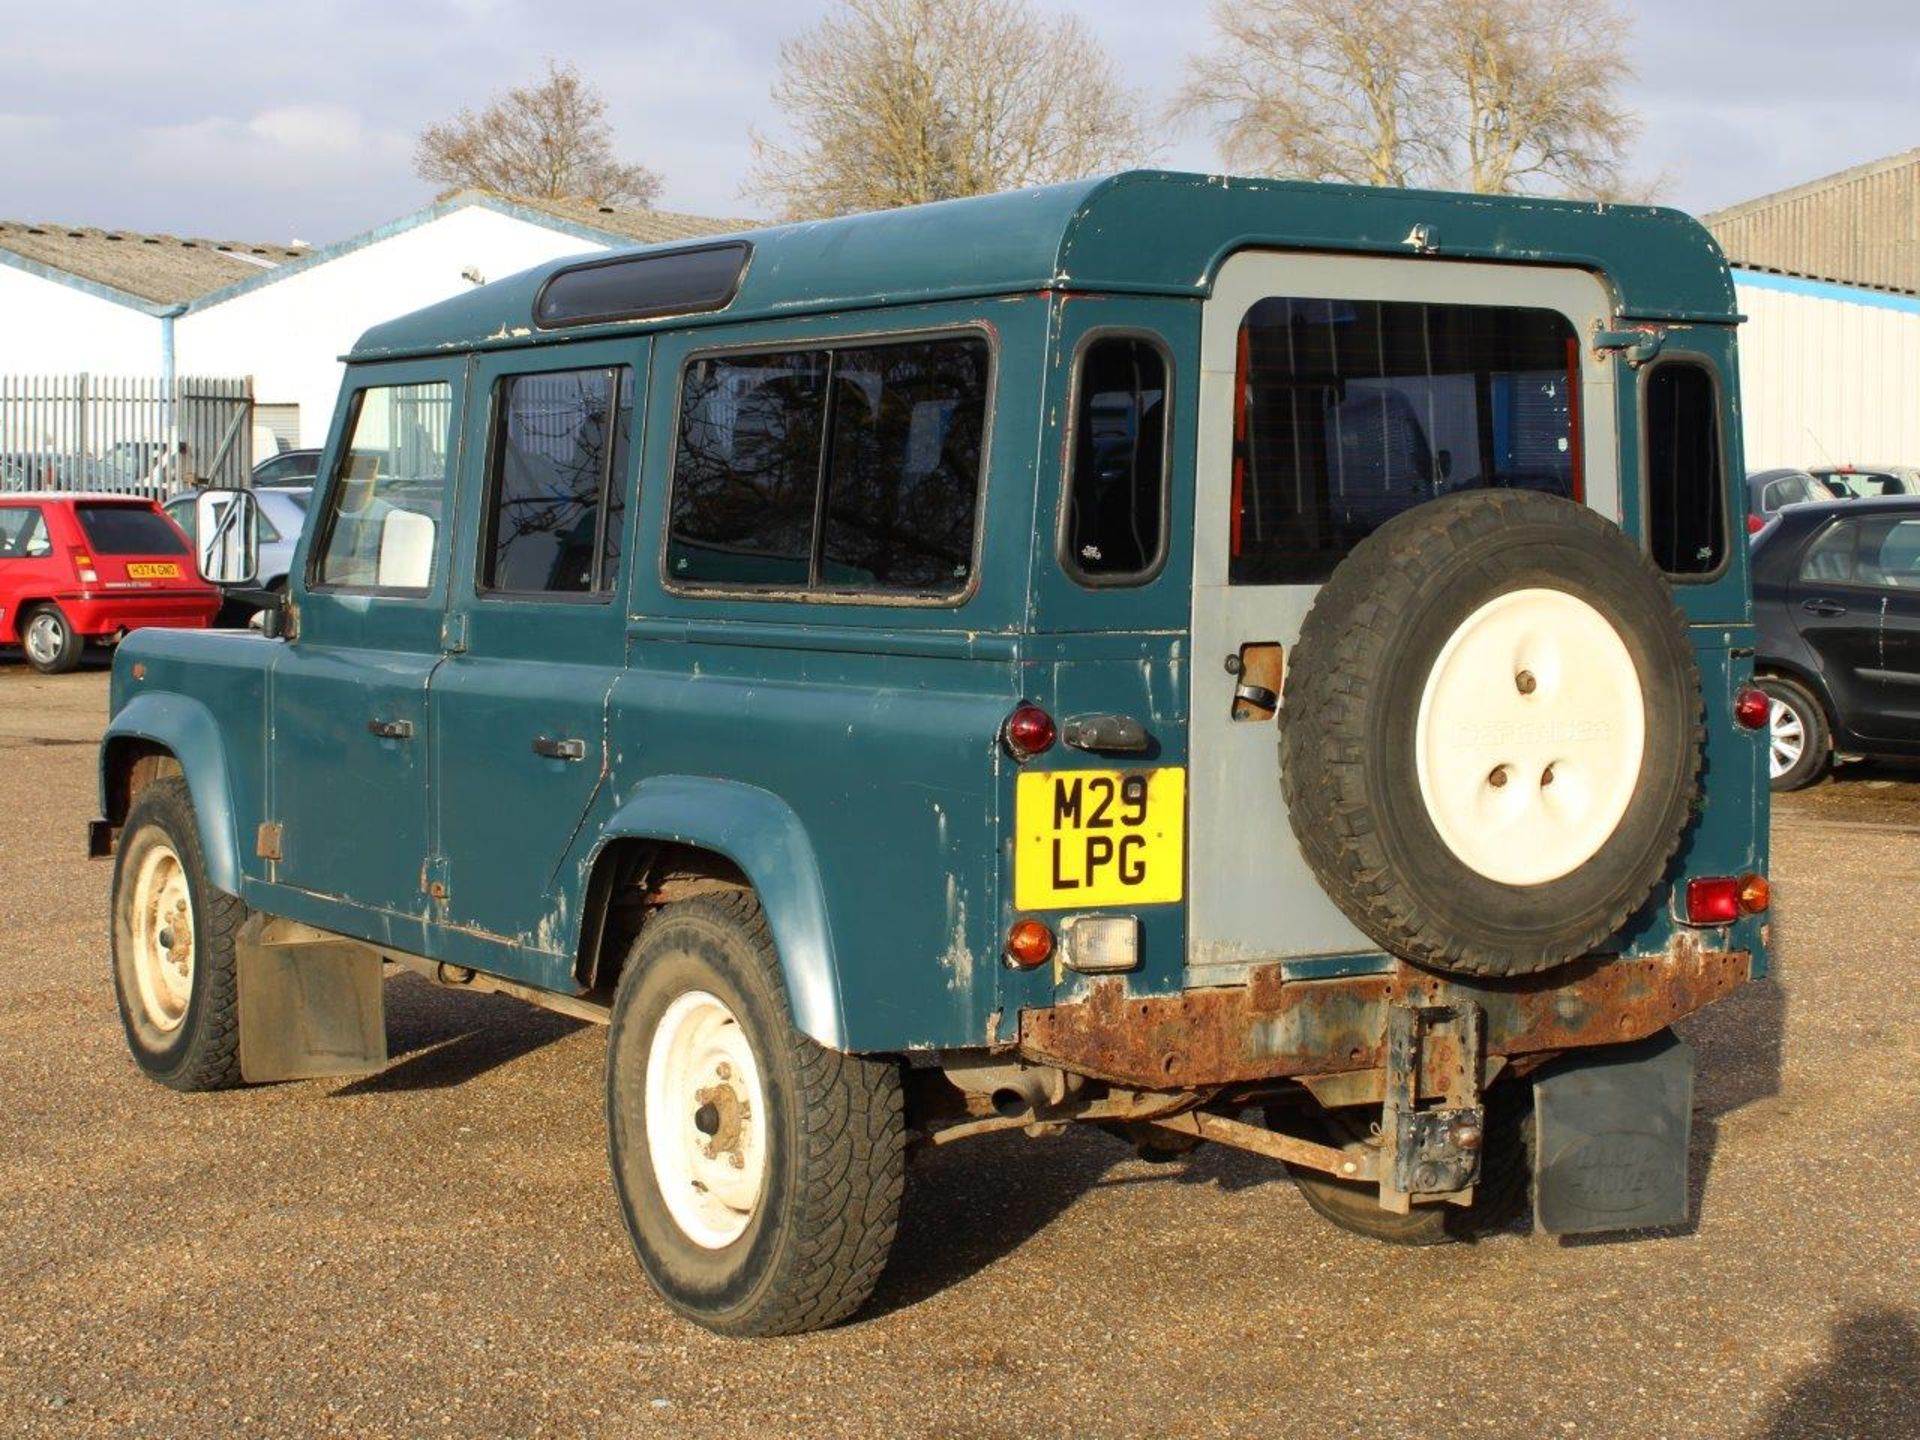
1028	732
1751	707
1755	523
1029	944
1713	901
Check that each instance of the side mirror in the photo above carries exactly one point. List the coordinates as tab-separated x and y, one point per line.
226	528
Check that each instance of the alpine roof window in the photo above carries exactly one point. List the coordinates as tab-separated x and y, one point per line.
1348	412
846	470
636	287
557	483
1115	523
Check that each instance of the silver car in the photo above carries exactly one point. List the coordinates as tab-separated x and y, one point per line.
283	515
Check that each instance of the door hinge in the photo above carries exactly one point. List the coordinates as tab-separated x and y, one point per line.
453	632
267	840
1636	344
433	876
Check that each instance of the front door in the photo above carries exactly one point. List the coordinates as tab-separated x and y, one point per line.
349	734
1335	393
537	635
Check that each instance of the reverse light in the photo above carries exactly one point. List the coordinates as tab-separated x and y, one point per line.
1100	944
1029	944
1713	900
1755	893
1751	707
1028	732
83	570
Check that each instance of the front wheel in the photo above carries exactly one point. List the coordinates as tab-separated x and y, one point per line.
173	947
48	637
759	1174
1798	741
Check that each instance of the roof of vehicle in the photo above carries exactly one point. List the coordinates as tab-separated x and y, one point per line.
1858	468
91	497
1798	517
1755	476
1142	232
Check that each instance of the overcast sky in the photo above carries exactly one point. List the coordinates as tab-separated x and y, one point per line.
271	121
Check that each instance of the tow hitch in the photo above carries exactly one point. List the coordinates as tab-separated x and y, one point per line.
1435	1151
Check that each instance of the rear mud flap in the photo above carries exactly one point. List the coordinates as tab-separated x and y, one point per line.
1612	1132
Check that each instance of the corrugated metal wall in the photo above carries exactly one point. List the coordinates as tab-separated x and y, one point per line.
1861	227
1828	373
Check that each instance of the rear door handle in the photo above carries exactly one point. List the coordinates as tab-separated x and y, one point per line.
391	729
550	748
1823	607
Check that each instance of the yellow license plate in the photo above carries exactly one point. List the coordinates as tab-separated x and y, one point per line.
153	572
1099	837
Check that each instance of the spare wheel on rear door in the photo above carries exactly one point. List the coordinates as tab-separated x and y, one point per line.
1492	732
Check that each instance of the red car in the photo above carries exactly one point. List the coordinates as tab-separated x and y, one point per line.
77	567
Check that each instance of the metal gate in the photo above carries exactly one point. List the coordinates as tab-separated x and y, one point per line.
128	434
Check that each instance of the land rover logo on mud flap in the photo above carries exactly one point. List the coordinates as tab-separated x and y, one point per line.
1495	734
1614	1172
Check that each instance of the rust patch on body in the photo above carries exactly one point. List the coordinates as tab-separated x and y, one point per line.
1274	1028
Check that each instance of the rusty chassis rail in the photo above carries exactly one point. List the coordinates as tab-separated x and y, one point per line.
1274	1028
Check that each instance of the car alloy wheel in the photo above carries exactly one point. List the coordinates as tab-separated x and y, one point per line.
45	640
1786	738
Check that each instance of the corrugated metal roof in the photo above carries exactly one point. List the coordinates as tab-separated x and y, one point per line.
164	269
648	227
1859	227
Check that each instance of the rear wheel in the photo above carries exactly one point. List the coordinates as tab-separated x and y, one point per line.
1506	1174
759	1174
52	646
1799	743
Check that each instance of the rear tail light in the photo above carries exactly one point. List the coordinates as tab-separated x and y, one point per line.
1755	523
83	570
1723	899
1029	944
1751	707
1028	732
1755	893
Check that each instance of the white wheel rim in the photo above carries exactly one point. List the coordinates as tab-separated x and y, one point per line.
706	1120
44	641
162	938
1529	736
1786	738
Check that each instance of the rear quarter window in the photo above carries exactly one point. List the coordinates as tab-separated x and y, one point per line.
129	530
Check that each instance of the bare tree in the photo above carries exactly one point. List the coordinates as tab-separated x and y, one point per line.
1317	89
1486	95
550	141
1533	82
894	102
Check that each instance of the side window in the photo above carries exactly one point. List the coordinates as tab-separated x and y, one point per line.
23	533
557	487
1348	412
845	470
1686	484
1889	554
388	499
1117	486
1829	560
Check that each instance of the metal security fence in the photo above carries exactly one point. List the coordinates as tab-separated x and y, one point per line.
131	434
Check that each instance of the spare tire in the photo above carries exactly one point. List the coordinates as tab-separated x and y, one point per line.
1491	733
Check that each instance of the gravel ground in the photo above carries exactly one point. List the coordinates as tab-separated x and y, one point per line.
436	1250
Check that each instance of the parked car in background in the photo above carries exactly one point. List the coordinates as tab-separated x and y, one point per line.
79	568
1771	491
282	516
1860	482
1836	599
289	467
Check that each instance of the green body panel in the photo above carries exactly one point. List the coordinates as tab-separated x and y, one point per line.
843	754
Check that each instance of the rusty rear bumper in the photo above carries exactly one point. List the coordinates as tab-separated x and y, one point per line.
1273	1028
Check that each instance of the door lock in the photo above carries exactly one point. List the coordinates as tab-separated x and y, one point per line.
550	748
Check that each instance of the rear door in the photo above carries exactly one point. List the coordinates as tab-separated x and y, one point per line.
1840	613
1337	392
536	636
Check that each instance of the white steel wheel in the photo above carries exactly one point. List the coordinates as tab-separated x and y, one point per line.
161	921
1529	737
1786	738
706	1117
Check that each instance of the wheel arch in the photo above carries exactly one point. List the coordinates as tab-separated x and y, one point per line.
157	734
1776	668
758	843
